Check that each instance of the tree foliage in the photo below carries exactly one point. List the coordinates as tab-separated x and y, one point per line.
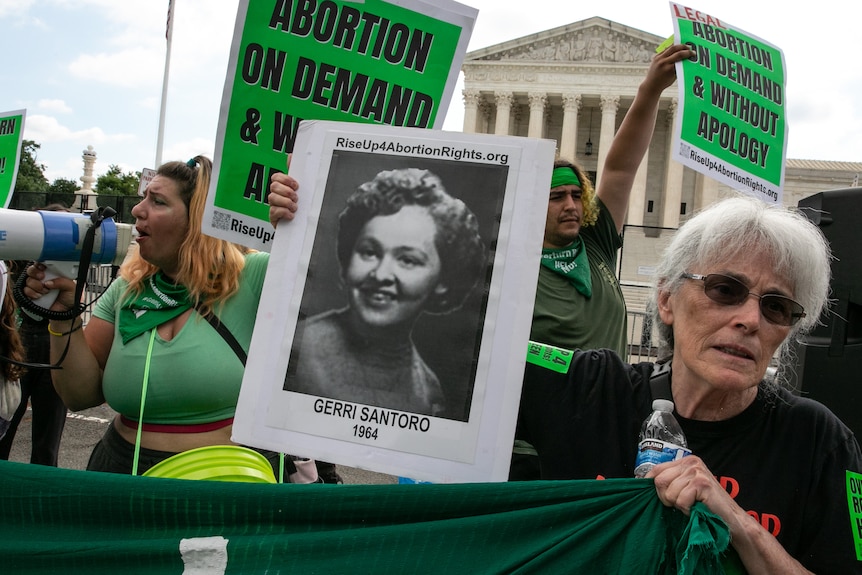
31	174
116	183
63	186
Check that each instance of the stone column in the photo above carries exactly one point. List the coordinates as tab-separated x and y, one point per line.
471	110
504	106
637	199
610	105
672	196
569	137
536	127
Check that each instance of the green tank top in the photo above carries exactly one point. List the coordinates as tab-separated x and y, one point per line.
195	377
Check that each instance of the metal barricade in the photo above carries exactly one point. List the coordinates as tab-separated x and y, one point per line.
99	277
641	337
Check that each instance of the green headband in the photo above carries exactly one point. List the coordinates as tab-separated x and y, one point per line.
564	176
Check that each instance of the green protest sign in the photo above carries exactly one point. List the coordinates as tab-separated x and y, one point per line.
732	116
854	503
382	62
11	135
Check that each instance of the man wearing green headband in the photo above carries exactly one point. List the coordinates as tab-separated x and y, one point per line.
579	303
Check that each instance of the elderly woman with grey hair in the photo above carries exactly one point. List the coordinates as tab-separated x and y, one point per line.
737	283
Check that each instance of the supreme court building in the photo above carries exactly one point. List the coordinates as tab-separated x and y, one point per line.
574	84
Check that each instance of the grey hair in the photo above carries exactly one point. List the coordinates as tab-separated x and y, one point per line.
738	226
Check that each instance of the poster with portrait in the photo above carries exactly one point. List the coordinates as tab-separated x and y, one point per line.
395	317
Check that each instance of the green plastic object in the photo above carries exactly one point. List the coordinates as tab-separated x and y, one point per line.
216	463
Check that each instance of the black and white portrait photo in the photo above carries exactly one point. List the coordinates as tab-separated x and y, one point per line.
397	286
395	315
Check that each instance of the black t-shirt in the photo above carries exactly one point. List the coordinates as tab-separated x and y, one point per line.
784	459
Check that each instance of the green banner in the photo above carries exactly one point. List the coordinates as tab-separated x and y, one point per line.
379	62
71	522
11	136
732	111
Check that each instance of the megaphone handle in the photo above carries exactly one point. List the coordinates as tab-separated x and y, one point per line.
55	270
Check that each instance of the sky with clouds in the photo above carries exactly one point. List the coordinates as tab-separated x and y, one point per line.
89	72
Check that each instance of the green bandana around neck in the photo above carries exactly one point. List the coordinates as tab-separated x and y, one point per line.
161	300
564	176
571	263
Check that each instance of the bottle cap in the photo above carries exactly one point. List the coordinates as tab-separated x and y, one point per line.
662	405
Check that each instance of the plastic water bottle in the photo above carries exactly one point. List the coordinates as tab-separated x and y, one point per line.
661	438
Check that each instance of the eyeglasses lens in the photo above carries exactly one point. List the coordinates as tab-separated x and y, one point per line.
777	309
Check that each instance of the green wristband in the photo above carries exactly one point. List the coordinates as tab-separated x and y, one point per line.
549	356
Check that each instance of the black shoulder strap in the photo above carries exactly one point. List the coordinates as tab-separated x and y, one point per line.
659	381
225	333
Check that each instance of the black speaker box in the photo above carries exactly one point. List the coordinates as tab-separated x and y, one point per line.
829	358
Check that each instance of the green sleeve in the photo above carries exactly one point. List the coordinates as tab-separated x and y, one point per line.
108	303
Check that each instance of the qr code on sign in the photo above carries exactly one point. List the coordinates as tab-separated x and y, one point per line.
221	220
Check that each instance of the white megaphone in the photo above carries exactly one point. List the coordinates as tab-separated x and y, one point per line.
58	240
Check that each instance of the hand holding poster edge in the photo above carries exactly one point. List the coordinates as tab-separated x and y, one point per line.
491	421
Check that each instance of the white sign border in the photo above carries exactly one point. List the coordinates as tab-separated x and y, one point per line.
477	450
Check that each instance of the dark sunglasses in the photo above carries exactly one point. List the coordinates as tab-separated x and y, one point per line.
726	290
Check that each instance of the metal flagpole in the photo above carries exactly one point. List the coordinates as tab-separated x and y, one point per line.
168	35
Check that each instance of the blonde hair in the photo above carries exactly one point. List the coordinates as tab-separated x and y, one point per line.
588	192
208	267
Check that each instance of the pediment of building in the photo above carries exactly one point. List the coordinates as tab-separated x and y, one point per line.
592	40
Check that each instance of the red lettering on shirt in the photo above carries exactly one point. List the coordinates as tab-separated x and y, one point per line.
730	485
768	521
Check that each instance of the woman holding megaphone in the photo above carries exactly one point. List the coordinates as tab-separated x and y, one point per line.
151	320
